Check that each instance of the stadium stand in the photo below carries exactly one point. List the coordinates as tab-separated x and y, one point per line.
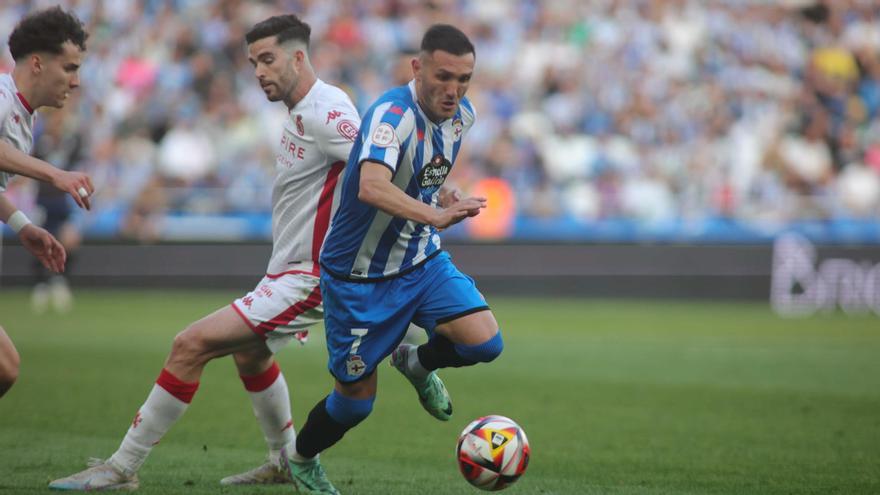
672	120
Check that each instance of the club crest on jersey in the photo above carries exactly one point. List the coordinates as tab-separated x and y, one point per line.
300	128
433	173
347	129
383	135
355	366
457	128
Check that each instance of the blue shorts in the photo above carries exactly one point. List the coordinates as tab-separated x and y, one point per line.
365	321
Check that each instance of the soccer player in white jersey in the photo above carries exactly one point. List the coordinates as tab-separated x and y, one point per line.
47	48
382	266
317	138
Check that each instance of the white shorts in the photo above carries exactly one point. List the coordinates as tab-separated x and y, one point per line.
282	308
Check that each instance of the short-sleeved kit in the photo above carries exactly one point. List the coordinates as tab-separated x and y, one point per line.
309	165
380	272
16	121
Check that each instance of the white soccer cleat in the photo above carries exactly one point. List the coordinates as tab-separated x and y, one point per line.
100	476
62	297
40	298
267	474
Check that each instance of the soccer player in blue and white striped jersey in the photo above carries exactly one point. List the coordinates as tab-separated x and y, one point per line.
369	242
382	266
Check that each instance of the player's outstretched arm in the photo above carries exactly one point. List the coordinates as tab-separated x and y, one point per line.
377	190
77	184
38	241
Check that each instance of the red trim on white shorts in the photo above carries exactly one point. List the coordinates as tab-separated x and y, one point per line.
291	313
316	272
325	207
243	317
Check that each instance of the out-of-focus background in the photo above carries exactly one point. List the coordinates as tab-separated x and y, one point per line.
673	120
708	130
682	244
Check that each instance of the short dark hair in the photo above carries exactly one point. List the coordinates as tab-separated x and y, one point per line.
46	31
283	27
447	38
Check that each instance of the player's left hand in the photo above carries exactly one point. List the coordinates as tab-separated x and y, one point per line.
461	209
449	196
44	247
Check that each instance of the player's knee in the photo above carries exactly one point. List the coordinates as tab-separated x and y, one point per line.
482	353
9	365
8	375
348	411
188	344
253	362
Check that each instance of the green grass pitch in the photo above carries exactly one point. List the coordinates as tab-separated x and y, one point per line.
616	397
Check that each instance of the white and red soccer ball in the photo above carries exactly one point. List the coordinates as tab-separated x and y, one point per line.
492	452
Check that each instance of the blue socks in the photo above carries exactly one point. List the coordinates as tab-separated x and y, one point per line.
346	411
329	420
482	353
440	352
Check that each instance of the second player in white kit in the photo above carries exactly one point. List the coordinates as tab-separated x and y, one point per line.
47	47
313	151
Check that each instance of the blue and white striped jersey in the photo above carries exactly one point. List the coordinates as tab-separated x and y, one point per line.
366	243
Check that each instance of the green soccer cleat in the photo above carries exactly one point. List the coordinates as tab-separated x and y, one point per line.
310	477
432	393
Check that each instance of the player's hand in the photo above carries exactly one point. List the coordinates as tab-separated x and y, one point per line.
77	184
461	209
448	196
44	247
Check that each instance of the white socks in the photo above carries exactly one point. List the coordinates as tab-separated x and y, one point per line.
413	364
164	406
271	402
170	398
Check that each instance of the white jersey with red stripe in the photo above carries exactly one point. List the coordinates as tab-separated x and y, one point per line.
315	145
317	138
16	121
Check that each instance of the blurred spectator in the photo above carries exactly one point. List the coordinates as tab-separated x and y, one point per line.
649	111
60	142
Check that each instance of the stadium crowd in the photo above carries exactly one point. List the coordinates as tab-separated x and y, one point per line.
761	112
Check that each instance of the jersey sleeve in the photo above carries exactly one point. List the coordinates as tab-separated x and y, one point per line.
338	129
390	125
468	114
7	102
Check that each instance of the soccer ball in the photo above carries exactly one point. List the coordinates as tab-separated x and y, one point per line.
492	452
